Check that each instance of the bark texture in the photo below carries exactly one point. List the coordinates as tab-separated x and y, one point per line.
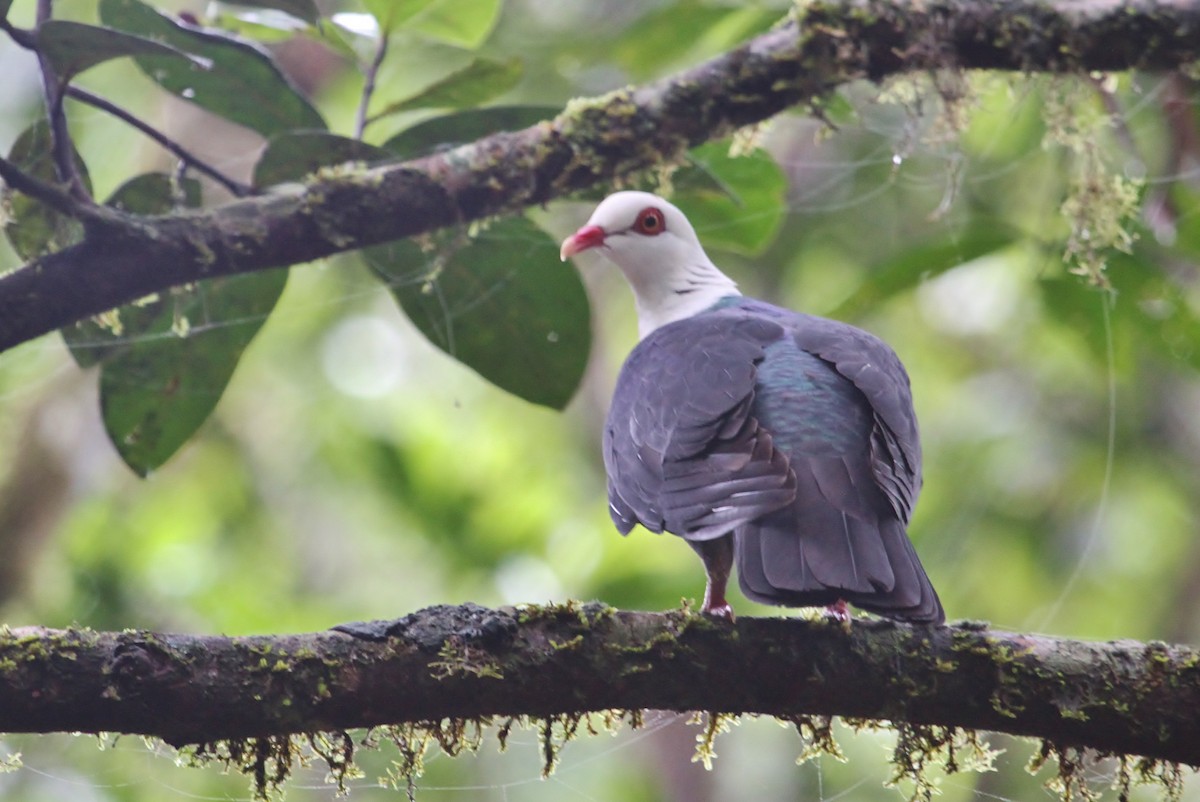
470	662
591	142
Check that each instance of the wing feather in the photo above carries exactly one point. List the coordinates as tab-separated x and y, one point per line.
682	450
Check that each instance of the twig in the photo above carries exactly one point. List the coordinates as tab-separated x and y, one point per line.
20	36
360	119
190	159
60	138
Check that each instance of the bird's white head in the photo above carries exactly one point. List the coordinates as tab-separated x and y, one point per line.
658	251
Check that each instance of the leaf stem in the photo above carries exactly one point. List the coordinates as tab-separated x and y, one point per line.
361	120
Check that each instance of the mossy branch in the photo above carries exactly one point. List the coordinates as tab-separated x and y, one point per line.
472	662
830	43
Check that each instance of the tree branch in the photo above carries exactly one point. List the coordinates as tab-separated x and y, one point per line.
593	141
472	662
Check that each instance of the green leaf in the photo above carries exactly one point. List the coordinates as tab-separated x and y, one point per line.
304	9
292	156
269	27
33	228
502	304
734	202
391	13
478	82
462	23
1186	220
166	361
155	393
909	267
1150	313
244	84
73	47
462	127
687	32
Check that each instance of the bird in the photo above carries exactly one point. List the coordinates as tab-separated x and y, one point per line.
782	443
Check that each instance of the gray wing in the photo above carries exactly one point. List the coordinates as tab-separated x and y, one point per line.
876	371
682	450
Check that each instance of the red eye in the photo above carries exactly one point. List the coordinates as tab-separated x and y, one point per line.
650	221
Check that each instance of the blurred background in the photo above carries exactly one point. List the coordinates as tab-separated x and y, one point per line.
352	470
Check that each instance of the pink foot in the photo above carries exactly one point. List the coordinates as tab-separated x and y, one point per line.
838	611
723	610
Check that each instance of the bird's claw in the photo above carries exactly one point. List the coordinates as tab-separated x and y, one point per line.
838	611
724	610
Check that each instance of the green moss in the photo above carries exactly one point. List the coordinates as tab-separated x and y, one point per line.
458	658
613	135
573	643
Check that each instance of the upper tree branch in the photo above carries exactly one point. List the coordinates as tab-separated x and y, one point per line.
472	662
592	142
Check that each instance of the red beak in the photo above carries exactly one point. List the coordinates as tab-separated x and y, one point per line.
581	240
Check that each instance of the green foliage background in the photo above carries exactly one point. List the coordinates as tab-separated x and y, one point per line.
352	470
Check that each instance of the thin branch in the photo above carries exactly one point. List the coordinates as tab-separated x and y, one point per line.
474	662
372	73
20	36
61	149
187	157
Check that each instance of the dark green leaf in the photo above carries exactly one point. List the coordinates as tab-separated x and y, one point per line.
477	83
502	304
304	9
734	202
156	392
166	361
244	84
292	156
156	193
33	228
462	127
73	47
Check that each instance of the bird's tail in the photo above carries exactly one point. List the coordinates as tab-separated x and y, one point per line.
871	564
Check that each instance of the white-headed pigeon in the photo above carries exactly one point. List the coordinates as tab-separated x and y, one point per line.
783	442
